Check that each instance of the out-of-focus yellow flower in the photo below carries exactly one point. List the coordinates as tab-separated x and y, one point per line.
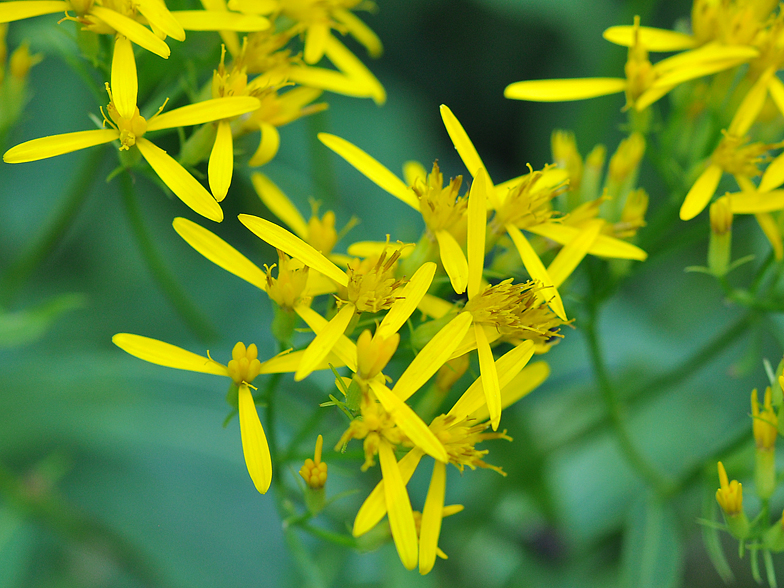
129	126
314	471
243	367
765	422
730	494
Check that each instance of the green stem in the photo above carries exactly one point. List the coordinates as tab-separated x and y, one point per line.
617	416
167	282
20	270
52	511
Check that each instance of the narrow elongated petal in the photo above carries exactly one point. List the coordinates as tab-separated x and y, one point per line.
254	6
408	300
432	356
754	202
409	422
771	229
490	384
168	355
536	269
159	16
603	246
712	53
651	95
652	39
508	366
401	517
432	514
58	145
285	363
204	112
344	347
219	252
550	178
372	169
774	175
776	89
374	508
254	442
374	248
701	192
22	9
279	204
413	171
330	80
221	164
213	20
466	150
697	70
570	256
468	343
124	81
324	342
315	41
349	64
477	228
453	259
564	90
292	245
752	104
435	307
360	31
140	35
529	378
182	183
268	145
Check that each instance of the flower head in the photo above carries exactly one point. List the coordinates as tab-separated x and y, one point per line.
730	494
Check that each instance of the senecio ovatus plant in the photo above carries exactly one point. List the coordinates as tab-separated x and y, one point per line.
430	341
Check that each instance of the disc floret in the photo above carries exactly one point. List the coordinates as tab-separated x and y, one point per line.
244	365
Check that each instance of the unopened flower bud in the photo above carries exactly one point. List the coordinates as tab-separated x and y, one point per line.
730	499
314	472
374	352
765	427
720	244
566	156
21	61
244	365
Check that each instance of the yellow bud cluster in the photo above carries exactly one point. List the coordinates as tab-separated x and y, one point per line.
286	290
721	216
730	494
765	422
314	471
321	231
626	158
566	156
374	352
244	365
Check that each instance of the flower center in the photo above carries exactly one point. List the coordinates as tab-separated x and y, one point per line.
372	283
286	290
441	207
244	365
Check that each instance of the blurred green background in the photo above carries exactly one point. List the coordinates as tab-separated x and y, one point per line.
118	473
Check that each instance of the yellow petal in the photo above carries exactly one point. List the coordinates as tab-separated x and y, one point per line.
570	256
159	16
344	347
140	35
700	64
753	202
604	246
413	171
508	366
564	90
752	104
349	64
701	192
409	422
432	356
652	39
374	248
219	252
360	31
315	41
182	183
279	204
776	89
401	517
268	145
529	378
453	259
550	178
292	245
324	342
285	363
408	300
254	442
771	229
214	20
374	508
168	355
204	112
22	9
651	95
477	227
435	307
465	148
432	514
58	145
372	169
490	383
330	80
124	82
221	164
537	271
254	6
774	175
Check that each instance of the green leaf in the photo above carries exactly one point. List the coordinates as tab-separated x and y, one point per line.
652	549
25	326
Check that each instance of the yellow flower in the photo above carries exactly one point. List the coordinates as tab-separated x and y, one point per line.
129	126
730	494
644	83
242	369
764	423
314	471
